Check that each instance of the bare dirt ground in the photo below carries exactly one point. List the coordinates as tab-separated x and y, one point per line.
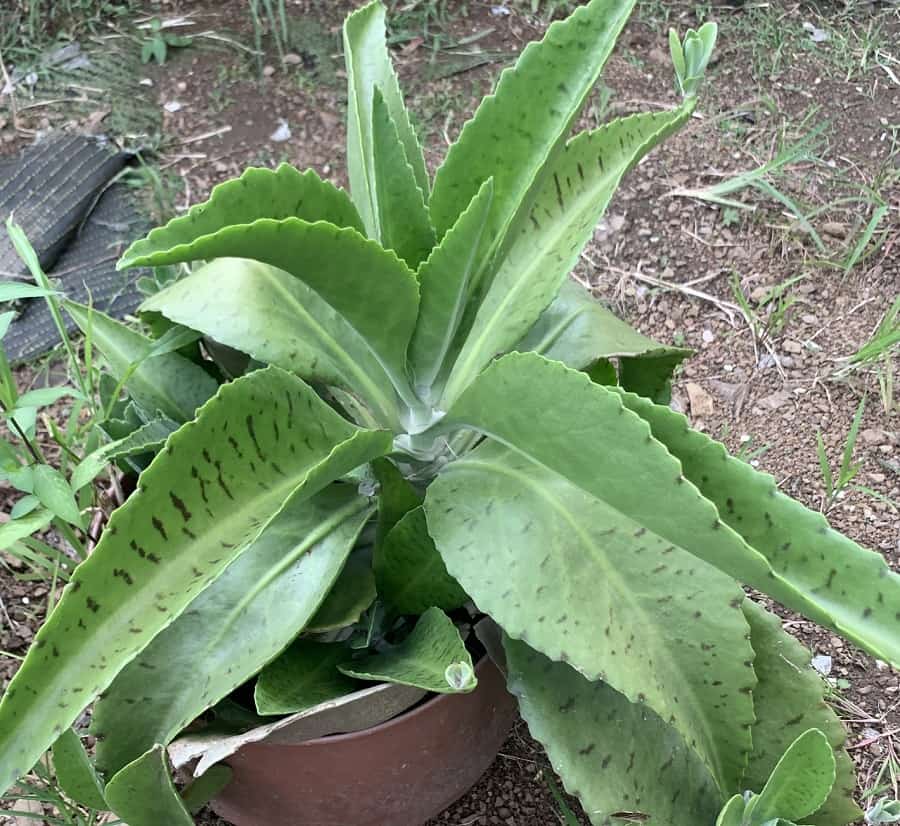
667	263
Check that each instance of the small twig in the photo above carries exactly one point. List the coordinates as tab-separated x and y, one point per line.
205	136
9	620
725	306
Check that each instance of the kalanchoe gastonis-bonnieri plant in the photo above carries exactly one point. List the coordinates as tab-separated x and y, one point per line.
421	420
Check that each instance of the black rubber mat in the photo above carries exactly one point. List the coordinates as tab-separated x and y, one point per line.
50	190
79	223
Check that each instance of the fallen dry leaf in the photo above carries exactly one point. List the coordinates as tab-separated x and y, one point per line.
701	402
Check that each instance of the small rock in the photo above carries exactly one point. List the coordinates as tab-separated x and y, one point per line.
835	229
793	346
181	86
268	71
293	59
701	402
874	436
727	390
708	337
775	401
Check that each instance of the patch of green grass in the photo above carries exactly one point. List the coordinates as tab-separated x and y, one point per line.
878	357
426	19
29	26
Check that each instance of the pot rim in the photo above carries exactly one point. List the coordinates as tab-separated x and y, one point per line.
402	717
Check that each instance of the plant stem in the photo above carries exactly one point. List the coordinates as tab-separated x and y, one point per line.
22	435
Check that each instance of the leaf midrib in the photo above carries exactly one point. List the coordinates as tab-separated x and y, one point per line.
612	573
338	353
474	347
462	295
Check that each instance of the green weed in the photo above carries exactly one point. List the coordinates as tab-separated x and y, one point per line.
835	485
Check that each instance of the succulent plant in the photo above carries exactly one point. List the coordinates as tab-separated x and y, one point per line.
399	416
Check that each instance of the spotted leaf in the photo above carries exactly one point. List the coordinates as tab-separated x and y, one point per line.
232	629
258	193
585	584
615	756
572	197
805	564
263	441
368	286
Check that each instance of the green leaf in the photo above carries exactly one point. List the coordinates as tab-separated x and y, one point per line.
233	628
5	320
677	52
175	338
567	206
433	657
24	506
349	597
693	57
276	318
732	813
75	772
264	441
158	49
409	572
396	496
789	699
537	407
143	794
521	127
199	792
146	51
369	67
16	529
578	330
807	566
148	437
445	282
372	289
55	494
17	290
561	561
800	782
615	756
169	383
258	193
305	675
402	214
46	395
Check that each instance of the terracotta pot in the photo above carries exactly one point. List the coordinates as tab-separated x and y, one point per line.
399	773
